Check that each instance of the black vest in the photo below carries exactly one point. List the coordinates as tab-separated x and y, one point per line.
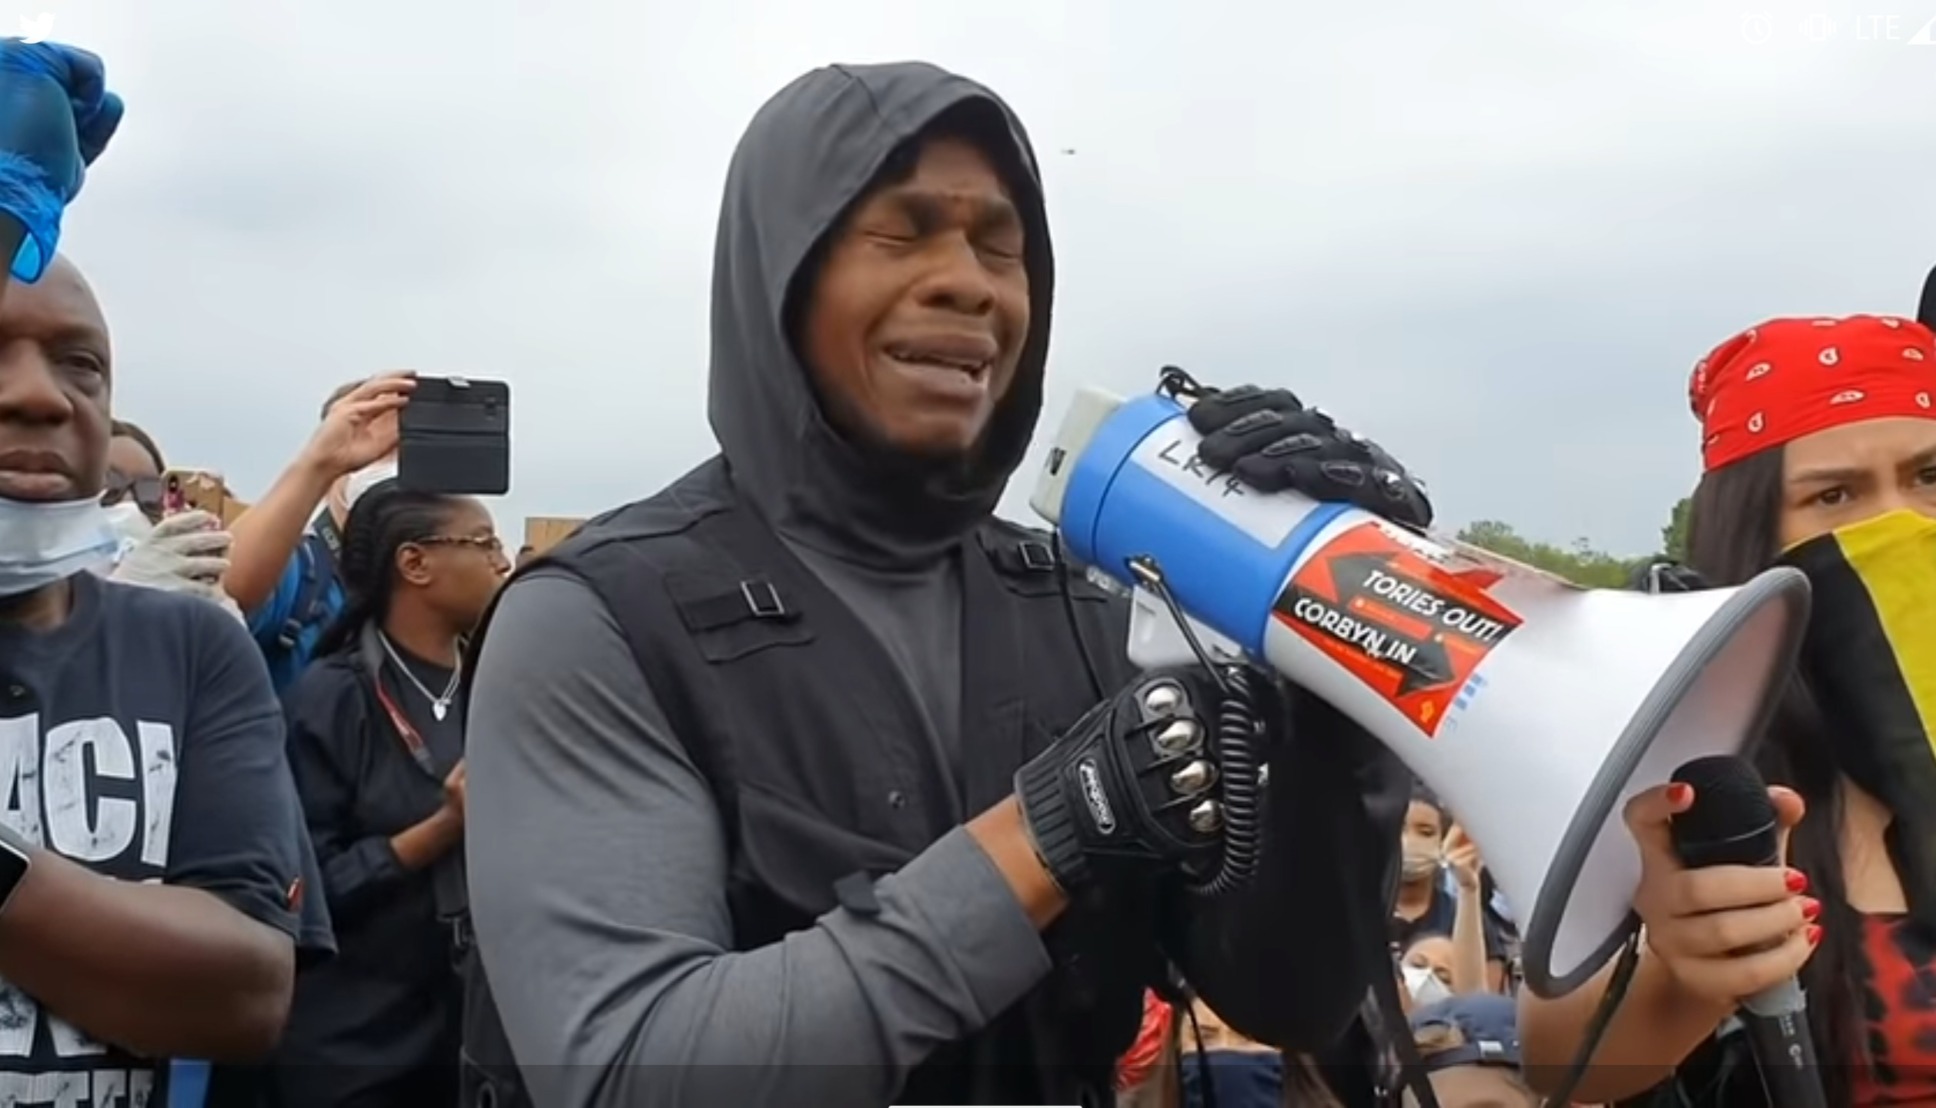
785	701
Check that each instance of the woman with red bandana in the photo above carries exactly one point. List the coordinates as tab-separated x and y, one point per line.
1819	451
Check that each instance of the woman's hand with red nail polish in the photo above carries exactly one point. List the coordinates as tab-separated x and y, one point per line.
1723	932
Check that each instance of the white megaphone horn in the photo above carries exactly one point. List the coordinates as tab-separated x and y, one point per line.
1535	708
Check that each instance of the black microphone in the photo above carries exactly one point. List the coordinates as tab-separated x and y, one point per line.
1733	823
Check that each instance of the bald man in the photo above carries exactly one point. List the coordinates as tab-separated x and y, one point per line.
151	847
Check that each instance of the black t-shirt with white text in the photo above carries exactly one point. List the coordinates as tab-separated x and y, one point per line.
141	739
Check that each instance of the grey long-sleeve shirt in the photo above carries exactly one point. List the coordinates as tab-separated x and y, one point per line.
598	887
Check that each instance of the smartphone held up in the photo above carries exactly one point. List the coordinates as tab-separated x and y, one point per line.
185	490
454	436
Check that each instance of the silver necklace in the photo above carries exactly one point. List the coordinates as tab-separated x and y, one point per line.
439	705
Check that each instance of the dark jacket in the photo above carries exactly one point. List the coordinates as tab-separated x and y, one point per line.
377	1024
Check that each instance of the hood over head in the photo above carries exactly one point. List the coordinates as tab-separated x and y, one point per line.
813	150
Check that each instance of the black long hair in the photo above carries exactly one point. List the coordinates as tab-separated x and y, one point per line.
383	519
1733	533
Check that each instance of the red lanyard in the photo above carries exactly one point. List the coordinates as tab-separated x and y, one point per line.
412	742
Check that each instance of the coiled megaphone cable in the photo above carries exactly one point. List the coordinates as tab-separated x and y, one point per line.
1239	728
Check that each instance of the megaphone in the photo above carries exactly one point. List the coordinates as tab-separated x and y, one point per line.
1535	708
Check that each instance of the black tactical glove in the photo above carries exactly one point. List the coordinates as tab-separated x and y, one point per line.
1134	783
1662	575
1269	440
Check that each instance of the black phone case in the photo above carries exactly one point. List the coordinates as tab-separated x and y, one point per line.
455	437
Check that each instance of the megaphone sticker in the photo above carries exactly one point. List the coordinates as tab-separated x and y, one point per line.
1412	631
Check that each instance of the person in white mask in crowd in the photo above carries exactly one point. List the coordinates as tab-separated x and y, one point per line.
186	552
1428	903
282	564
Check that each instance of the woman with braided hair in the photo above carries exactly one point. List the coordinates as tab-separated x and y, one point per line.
376	742
1819	452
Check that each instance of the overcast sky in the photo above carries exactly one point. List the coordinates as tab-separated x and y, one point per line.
1493	235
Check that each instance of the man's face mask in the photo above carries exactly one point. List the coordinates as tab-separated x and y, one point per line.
131	523
365	479
1870	659
128	520
41	543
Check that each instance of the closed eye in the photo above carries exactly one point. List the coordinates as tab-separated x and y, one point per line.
1003	249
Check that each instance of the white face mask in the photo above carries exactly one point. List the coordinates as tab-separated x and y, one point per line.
1424	985
41	543
131	524
1416	865
365	479
129	521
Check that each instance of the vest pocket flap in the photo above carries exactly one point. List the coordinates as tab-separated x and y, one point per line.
801	855
731	619
1031	568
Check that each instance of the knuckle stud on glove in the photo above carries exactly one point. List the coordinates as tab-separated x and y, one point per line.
1178	737
1193	778
1163	698
1206	818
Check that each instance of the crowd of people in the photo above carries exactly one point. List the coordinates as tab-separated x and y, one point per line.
807	779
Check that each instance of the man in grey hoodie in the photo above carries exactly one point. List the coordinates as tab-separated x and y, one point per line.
743	815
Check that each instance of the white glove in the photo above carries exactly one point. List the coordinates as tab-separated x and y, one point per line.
186	553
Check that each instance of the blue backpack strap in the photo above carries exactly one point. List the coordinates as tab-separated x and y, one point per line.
310	610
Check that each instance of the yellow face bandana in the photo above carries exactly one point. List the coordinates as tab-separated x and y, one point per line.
1870	659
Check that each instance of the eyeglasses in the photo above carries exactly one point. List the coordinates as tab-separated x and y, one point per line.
490	544
145	491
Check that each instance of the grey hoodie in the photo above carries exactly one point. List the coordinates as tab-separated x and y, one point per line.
597	858
803	161
875	529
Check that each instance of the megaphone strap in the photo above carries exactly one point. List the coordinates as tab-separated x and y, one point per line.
1596	1029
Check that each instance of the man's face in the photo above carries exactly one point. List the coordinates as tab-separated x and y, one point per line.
55	377
916	321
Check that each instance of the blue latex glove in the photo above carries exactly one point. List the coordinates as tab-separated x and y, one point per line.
56	116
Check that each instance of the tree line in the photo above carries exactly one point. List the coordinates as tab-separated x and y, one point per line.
1579	563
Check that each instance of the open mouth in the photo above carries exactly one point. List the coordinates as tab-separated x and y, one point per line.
963	357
